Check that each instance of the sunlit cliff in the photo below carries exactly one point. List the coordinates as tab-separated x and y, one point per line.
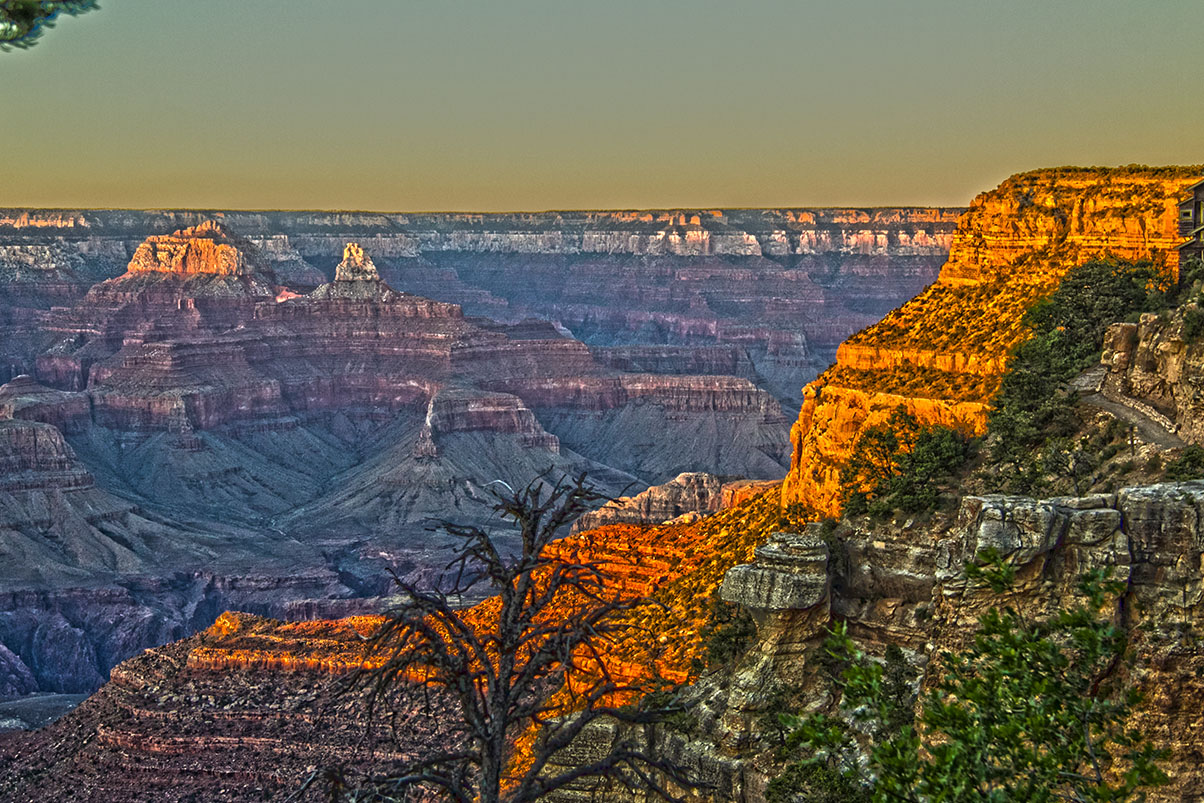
941	354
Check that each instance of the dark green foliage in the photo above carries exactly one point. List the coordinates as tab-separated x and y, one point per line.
1193	323
808	782
1030	711
1033	406
1187	466
795	516
1191	281
780	700
22	22
901	465
728	633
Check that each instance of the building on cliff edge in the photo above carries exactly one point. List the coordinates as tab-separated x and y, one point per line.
1191	223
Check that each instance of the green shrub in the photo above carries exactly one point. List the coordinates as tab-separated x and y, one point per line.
1193	323
1029	710
1187	466
1067	332
727	634
901	465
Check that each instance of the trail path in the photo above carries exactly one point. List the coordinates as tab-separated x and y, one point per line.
1149	429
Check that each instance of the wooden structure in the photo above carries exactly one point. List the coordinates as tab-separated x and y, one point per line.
1191	223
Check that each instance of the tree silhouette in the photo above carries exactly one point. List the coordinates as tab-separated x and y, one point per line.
22	22
524	666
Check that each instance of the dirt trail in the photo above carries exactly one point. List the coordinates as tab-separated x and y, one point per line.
1149	429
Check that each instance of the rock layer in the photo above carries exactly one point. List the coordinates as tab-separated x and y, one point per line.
941	354
783	287
336	427
902	583
1157	366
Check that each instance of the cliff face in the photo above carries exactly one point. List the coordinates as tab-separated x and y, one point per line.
236	692
1157	366
248	707
905	584
783	287
201	249
941	354
284	434
690	495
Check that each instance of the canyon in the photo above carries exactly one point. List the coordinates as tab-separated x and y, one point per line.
231	711
215	410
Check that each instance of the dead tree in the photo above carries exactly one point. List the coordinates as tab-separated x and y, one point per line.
527	664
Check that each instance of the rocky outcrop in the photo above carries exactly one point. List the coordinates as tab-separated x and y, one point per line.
941	354
203	249
463	410
789	573
688	494
140	738
902	583
356	278
1157	365
24	399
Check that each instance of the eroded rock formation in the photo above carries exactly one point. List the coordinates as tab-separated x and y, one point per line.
335	426
941	354
1157	366
782	287
902	583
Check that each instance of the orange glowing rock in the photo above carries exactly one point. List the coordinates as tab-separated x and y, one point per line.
941	355
203	249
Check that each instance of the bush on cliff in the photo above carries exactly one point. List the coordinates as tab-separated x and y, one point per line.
1189	465
1033	405
727	634
1029	711
901	465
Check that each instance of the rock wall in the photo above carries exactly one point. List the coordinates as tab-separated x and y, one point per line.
192	413
1157	365
900	582
785	286
689	494
904	584
941	354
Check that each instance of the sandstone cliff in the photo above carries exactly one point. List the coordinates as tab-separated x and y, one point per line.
1157	366
941	354
901	583
689	495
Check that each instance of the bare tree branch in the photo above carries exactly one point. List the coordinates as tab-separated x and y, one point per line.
532	656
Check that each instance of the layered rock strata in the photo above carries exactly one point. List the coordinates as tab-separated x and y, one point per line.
339	426
782	287
940	355
902	583
687	497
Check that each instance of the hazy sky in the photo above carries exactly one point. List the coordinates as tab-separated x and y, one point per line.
518	104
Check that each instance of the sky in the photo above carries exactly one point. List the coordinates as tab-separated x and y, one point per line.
503	105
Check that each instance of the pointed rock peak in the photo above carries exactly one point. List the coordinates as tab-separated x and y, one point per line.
203	249
209	229
356	266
